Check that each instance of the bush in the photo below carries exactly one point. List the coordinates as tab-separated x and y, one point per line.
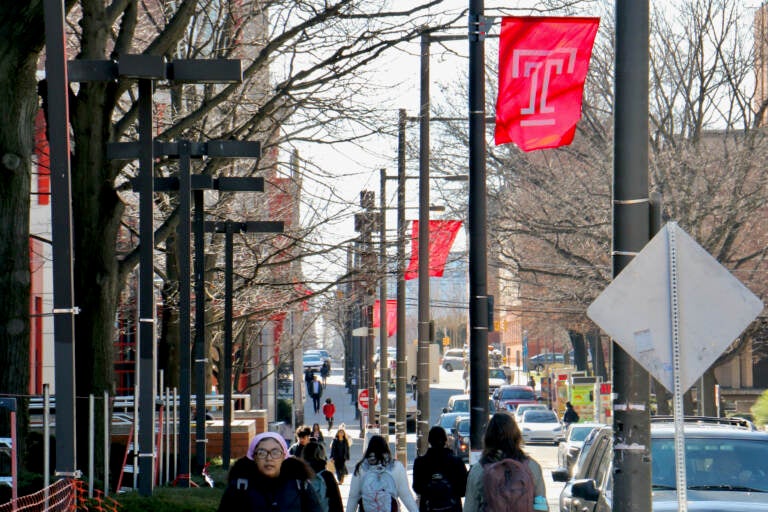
285	410
760	409
167	499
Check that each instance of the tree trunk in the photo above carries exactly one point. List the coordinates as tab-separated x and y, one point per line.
19	50
169	342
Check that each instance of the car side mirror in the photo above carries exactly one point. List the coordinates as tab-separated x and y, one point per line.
585	489
560	475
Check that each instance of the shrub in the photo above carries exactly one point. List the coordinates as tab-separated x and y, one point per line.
760	409
176	499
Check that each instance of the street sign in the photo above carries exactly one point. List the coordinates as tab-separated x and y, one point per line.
713	308
362	399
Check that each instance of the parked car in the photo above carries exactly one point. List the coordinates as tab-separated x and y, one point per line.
411	408
726	469
541	361
460	403
453	359
460	434
541	426
496	378
510	396
447	420
520	409
312	361
570	448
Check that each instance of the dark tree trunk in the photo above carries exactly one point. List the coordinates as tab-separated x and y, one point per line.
168	344
21	26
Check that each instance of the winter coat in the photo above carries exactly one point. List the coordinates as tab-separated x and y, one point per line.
329	410
401	482
474	500
250	491
332	492
340	455
570	416
439	460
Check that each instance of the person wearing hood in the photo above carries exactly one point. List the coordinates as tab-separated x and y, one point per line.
377	461
439	477
267	480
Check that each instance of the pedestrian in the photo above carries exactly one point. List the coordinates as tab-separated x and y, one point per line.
317	434
324	482
465	375
317	392
303	437
325	370
266	480
378	481
329	411
340	447
532	382
439	477
570	415
309	377
506	479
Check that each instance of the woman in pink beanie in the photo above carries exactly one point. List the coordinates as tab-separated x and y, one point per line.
267	479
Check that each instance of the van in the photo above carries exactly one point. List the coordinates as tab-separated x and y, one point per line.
453	359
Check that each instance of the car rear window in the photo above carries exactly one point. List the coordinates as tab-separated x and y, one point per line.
460	405
463	426
497	374
517	394
540	417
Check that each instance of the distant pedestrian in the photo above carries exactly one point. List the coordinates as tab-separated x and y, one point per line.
316	393
309	377
532	382
317	434
439	477
303	437
329	411
570	415
325	370
340	453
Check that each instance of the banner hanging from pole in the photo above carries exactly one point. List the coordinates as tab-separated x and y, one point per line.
543	63
391	316
442	233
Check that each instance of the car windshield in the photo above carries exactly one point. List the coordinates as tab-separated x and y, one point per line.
539	417
517	394
461	405
497	373
463	426
579	433
712	463
447	420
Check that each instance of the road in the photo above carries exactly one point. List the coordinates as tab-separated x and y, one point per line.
450	383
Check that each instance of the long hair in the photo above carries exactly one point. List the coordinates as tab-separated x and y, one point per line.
377	452
503	435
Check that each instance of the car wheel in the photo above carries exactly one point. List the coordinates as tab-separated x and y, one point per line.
448	367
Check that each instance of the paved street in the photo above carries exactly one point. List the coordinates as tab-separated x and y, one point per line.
450	384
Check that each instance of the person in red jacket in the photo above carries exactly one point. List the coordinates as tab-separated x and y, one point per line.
329	410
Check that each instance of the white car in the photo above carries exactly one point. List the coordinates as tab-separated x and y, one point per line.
541	426
496	378
312	361
527	407
568	451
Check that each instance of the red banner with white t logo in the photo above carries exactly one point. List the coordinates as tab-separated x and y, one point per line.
543	63
391	316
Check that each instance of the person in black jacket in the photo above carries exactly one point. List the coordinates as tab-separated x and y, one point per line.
570	415
266	481
340	453
439	477
314	454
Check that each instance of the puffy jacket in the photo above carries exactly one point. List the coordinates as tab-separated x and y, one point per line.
439	460
249	491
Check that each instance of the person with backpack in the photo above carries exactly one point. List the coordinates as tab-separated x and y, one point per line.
325	370
378	481
340	453
570	415
329	411
506	479
266	479
439	477
324	483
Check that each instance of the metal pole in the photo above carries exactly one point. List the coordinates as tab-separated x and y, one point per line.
401	370
183	232
631	424
383	338
61	215
46	443
422	355
226	381
91	442
147	346
478	264
201	358
107	421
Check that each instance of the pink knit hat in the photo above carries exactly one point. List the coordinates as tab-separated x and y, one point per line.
266	435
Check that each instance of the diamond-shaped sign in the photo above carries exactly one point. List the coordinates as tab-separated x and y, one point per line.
636	308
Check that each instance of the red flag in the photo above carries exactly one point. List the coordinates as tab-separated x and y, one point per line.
391	316
543	62
442	233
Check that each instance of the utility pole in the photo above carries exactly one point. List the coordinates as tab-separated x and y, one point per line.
383	328
400	418
364	223
631	423
478	244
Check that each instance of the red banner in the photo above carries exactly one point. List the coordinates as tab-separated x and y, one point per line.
442	233
543	62
391	316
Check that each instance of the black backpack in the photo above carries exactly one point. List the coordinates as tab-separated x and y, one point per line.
439	496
